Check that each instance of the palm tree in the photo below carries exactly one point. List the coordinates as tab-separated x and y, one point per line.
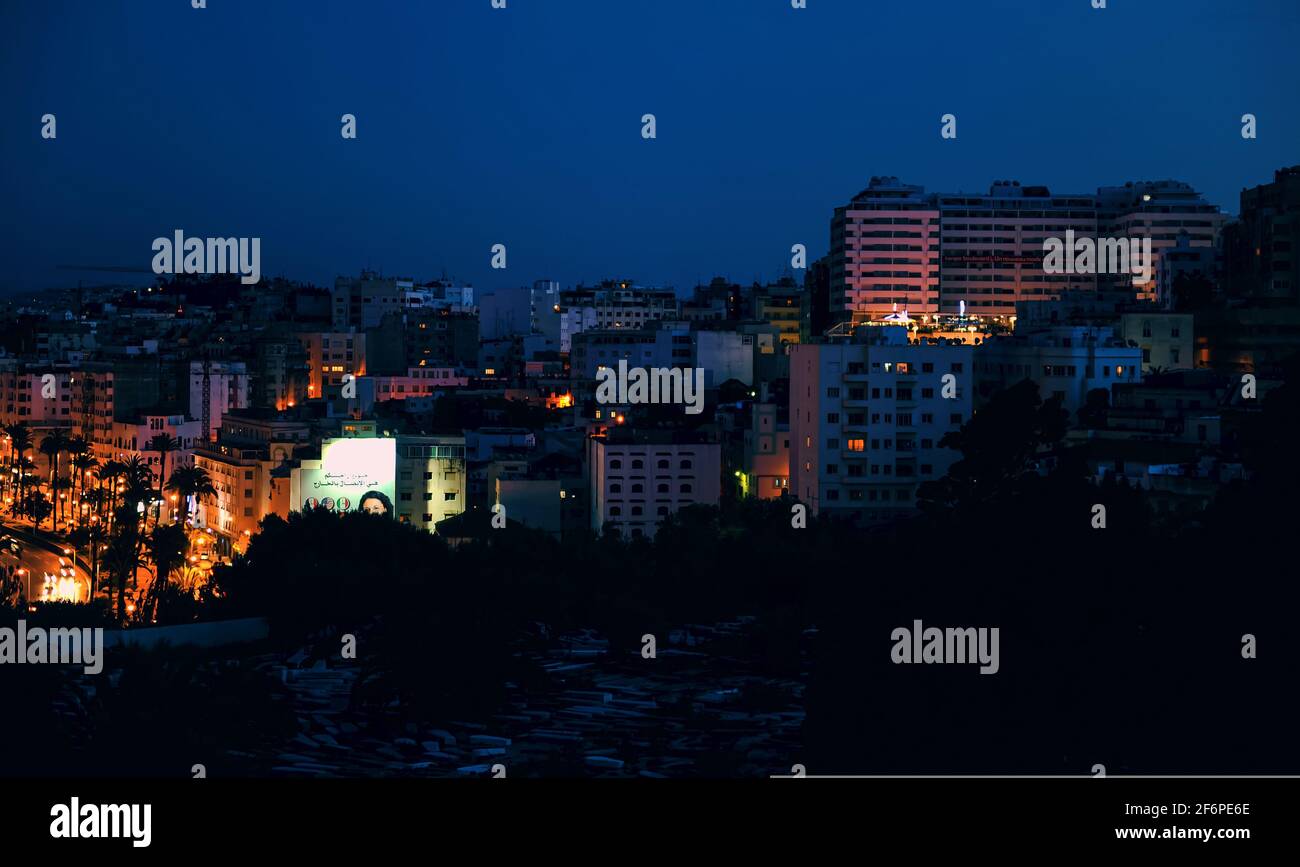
25	467
20	440
192	482
167	547
110	471
83	462
163	444
123	560
53	446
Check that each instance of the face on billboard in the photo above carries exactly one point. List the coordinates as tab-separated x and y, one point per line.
355	474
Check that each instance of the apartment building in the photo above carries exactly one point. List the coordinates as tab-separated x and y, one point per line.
613	304
331	356
992	246
867	413
1161	211
639	477
1065	361
431	479
884	252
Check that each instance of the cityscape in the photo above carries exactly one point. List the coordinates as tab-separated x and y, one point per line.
983	468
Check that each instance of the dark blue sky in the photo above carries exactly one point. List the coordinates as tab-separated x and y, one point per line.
522	126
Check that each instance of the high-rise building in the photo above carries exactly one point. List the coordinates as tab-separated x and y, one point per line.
884	253
992	246
1265	261
1161	211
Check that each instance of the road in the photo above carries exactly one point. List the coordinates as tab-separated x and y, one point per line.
38	562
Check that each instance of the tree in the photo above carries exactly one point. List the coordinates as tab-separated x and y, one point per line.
193	482
1096	407
53	447
997	444
85	463
20	441
163	444
38	507
167	546
123	559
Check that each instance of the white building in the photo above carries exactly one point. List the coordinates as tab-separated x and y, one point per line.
866	418
1065	361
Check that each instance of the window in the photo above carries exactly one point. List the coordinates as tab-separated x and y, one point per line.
686	464
832	469
663	464
954	418
637	488
832	444
686	488
449	496
832	494
663	489
615	511
832	392
956	367
638	464
616	464
856	445
616	488
832	418
636	511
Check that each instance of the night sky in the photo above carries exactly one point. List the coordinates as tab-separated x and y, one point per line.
522	126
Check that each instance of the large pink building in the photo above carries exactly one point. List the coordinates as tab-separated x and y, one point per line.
885	252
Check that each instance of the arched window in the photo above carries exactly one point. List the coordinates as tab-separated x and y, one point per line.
636	511
615	511
663	464
636	488
686	487
616	488
663	489
638	464
616	464
686	464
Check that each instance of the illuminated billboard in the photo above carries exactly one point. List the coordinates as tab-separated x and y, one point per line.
353	475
